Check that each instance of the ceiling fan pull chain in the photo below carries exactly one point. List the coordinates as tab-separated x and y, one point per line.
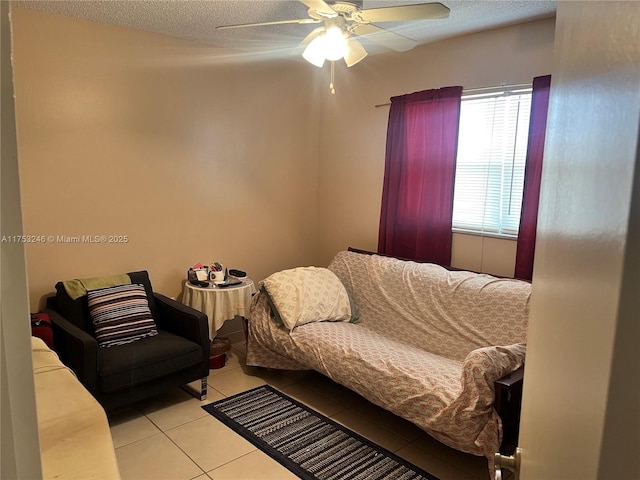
331	87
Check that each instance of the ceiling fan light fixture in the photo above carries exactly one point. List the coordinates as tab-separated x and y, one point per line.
355	52
331	44
314	53
335	43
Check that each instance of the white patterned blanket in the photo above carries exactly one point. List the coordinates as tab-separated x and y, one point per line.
429	345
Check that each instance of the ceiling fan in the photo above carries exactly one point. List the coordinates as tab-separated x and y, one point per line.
343	19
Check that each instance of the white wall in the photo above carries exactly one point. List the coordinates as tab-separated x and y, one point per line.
192	157
19	450
581	405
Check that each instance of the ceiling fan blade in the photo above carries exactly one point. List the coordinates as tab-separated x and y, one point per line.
405	12
320	6
355	52
385	37
300	21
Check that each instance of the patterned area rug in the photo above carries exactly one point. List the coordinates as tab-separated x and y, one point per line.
309	444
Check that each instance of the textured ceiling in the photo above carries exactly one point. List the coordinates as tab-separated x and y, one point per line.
196	19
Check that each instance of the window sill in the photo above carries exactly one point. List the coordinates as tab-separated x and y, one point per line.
503	236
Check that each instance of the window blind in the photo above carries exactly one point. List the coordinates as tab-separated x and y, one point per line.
492	148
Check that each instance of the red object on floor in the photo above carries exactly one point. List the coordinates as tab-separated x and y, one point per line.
218	351
218	361
41	328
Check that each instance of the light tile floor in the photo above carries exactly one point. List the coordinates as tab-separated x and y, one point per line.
170	437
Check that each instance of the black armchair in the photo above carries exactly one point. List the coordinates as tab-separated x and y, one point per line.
123	374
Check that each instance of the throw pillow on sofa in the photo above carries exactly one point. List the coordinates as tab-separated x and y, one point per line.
308	294
120	315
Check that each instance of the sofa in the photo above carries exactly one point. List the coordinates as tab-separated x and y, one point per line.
440	348
74	434
121	374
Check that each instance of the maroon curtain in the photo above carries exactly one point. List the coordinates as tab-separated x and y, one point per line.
417	195
532	176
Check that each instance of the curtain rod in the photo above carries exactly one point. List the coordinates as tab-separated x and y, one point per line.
478	89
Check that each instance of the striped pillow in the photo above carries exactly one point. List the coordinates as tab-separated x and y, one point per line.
120	315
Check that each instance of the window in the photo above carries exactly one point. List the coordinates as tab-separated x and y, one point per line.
492	147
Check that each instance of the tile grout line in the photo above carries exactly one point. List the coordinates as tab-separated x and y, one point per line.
235	459
178	446
138	440
203	471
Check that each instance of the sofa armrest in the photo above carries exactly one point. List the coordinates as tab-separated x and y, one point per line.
487	372
75	440
77	349
485	366
508	400
182	320
511	379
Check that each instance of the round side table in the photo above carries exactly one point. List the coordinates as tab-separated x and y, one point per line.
220	303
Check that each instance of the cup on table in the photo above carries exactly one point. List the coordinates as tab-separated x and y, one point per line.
217	276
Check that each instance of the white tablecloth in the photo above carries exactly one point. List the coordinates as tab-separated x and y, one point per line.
220	304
